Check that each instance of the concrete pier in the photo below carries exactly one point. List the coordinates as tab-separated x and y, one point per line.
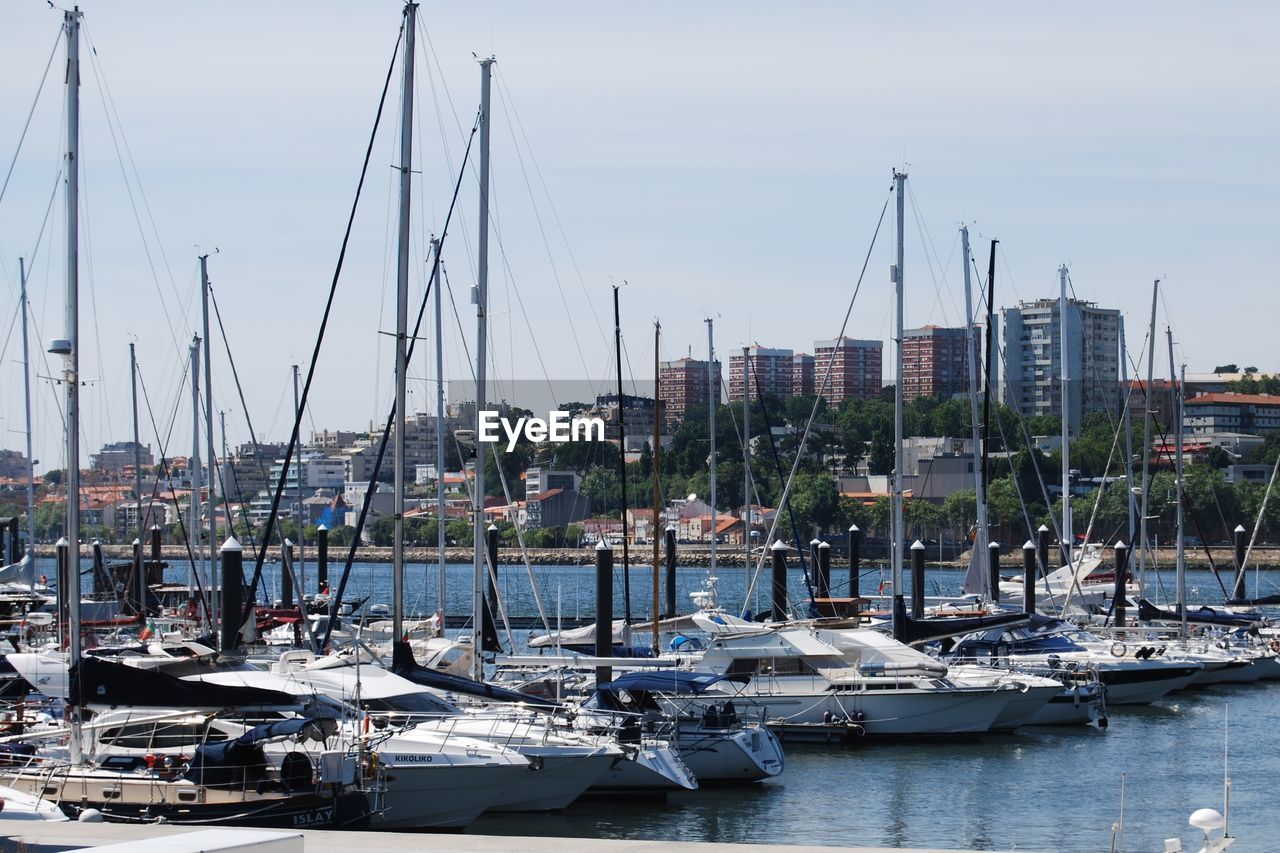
45	837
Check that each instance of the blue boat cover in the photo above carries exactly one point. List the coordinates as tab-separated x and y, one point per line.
669	681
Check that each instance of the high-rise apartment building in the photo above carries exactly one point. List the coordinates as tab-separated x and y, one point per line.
683	385
1033	359
934	362
770	372
855	368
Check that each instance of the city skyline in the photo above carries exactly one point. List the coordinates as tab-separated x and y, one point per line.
737	175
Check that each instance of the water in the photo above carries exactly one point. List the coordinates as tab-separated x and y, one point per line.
1037	789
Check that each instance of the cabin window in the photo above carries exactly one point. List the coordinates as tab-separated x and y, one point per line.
159	735
743	666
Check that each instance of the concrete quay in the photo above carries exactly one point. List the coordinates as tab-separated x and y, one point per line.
50	837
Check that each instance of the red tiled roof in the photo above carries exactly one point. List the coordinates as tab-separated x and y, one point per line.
1235	399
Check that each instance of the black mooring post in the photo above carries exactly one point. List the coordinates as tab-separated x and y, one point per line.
604	609
136	594
1122	571
917	579
824	569
993	566
1029	577
65	597
232	594
1044	550
1242	544
855	558
778	586
489	613
286	575
322	559
670	554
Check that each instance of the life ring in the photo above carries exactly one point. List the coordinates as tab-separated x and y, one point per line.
1119	649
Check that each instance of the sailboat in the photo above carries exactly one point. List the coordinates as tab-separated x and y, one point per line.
215	783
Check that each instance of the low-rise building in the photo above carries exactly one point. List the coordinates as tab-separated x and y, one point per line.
1253	414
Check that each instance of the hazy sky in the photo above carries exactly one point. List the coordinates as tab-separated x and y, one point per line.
723	158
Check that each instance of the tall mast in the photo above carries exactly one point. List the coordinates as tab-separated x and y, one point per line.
402	323
440	540
212	575
622	457
71	349
1068	537
653	474
26	396
297	495
746	469
713	400
482	320
978	579
194	468
1128	431
1146	436
141	580
895	498
1177	461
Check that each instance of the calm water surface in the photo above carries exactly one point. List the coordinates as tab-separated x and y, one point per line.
1038	789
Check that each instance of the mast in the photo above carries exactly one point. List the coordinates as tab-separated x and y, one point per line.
1177	460
482	310
440	538
1068	537
622	457
657	491
895	498
713	399
193	468
402	324
212	575
141	580
988	366
297	506
70	348
979	554
746	469
1128	431
26	396
1146	436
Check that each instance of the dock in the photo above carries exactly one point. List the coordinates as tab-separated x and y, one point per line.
50	837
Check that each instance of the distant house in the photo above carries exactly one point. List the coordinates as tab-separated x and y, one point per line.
698	529
556	508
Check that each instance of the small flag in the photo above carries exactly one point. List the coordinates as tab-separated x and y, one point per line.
148	630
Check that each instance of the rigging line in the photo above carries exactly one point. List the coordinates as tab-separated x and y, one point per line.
31	112
786	498
431	78
931	256
104	93
386	432
554	212
104	410
542	231
163	445
324	322
826	377
244	406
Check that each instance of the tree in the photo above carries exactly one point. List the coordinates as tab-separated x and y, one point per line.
601	485
815	499
1227	368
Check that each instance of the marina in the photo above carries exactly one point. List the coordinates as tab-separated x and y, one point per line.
1002	584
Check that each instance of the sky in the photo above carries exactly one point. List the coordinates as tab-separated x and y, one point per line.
726	160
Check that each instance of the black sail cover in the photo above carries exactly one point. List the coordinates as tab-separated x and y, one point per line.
97	681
